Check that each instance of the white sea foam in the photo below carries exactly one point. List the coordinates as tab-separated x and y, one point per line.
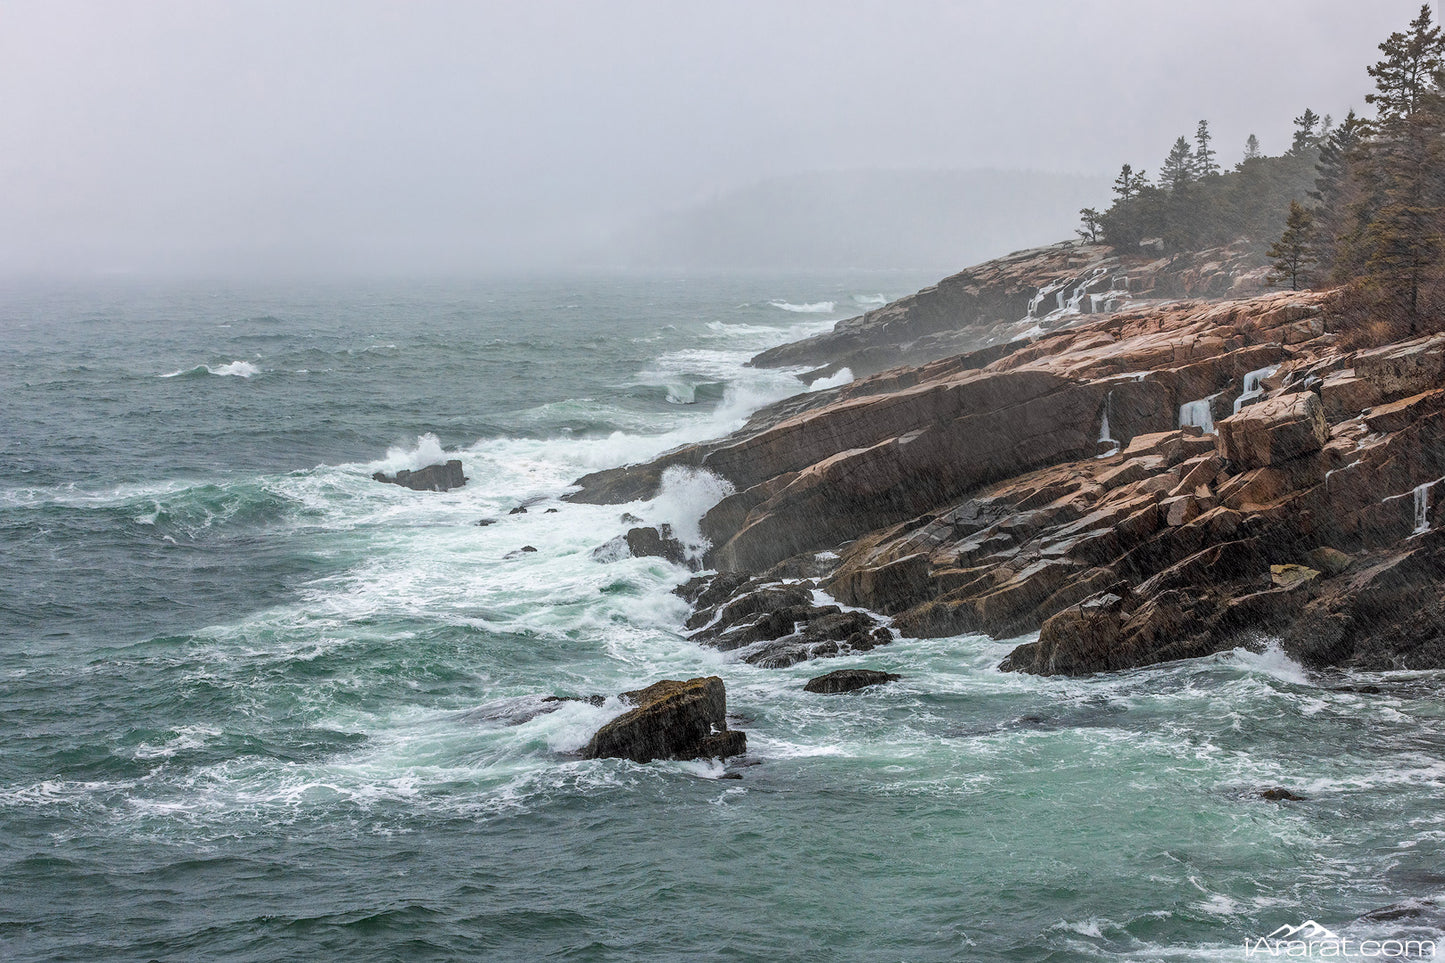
426	450
842	377
1274	662
232	369
812	307
870	300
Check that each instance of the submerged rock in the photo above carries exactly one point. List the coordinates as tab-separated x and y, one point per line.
849	680
432	478
673	720
1280	794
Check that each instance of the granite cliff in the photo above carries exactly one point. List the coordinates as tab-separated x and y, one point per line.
1138	459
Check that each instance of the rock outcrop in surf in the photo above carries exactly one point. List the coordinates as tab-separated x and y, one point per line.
673	720
1146	480
433	478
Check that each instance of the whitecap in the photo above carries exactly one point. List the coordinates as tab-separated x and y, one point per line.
813	307
232	369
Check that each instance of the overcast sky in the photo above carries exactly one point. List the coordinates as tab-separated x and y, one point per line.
252	136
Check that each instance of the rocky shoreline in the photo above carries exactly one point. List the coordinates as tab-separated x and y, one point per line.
1140	460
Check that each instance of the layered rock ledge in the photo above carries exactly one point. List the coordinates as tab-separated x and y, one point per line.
1158	479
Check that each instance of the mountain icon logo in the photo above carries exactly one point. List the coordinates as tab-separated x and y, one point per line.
1306	931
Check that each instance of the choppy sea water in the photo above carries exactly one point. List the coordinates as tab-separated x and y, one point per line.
256	706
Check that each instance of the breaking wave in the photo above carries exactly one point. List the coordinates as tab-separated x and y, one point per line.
814	307
232	369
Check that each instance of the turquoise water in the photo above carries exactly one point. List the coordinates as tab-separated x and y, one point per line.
255	706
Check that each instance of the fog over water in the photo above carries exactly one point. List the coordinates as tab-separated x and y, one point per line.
175	138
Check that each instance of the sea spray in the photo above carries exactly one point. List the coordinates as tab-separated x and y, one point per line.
427	450
685	495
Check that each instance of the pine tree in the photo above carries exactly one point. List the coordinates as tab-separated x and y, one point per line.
1178	168
1293	255
1402	236
1304	131
1093	220
1204	163
1251	148
1336	194
1412	61
1129	183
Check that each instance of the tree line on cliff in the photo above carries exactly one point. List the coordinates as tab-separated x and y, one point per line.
1359	203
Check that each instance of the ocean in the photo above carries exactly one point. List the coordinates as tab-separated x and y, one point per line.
256	706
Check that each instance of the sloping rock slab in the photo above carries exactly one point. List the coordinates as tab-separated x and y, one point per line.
432	478
673	720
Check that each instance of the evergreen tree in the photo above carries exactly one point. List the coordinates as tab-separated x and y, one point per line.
1178	168
1293	255
1204	163
1251	148
1402	165
1304	131
1412	61
1093	220
1335	194
1128	183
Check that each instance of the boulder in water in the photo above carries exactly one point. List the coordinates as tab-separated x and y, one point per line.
659	542
432	478
849	680
673	720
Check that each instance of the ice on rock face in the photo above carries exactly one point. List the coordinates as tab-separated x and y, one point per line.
1199	414
1104	437
1252	387
1069	295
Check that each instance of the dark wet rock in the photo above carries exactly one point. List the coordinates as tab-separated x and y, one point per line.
731	775
518	553
484	522
528	548
673	720
1280	794
592	700
551	511
776	624
630	519
657	542
848	680
432	478
1409	910
519	510
707	592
